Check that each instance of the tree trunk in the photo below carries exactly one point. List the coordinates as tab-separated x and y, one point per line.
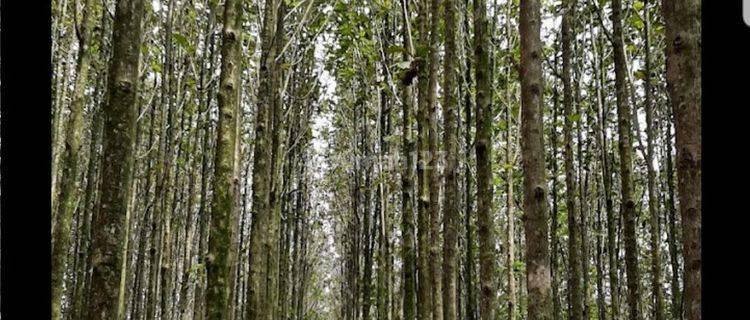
220	252
674	254
367	221
554	260
600	304
510	161
260	241
602	140
450	138
684	85
425	288
532	148
625	146
656	275
471	308
431	171
574	242
384	271
70	183
483	149
407	184
119	134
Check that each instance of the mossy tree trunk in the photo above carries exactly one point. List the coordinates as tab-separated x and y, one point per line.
683	31
483	150
625	147
532	153
407	182
571	187
70	185
653	207
450	138
118	137
220	254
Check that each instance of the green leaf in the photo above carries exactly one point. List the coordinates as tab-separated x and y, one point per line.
640	74
181	40
638	5
659	29
636	21
422	50
502	125
395	49
498	180
155	66
575	117
631	48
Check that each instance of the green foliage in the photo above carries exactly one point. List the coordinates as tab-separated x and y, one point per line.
497	180
636	21
182	41
640	74
394	49
155	66
638	5
576	117
197	268
631	48
502	125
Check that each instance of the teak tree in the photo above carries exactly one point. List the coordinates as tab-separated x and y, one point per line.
356	160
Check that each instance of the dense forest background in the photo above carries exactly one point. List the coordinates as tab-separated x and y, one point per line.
376	159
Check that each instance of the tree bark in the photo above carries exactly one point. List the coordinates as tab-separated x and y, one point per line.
554	260
571	195
431	171
656	274
220	254
602	140
483	150
260	241
470	298
407	183
532	148
672	235
450	138
625	146
70	184
119	134
510	161
683	52
425	288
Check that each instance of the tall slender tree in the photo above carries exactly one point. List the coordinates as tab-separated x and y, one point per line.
571	194
683	31
426	286
61	233
108	238
450	138
407	182
431	170
534	182
260	236
656	274
483	150
220	254
625	147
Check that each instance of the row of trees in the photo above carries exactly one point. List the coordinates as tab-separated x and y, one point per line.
598	206
360	159
178	193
